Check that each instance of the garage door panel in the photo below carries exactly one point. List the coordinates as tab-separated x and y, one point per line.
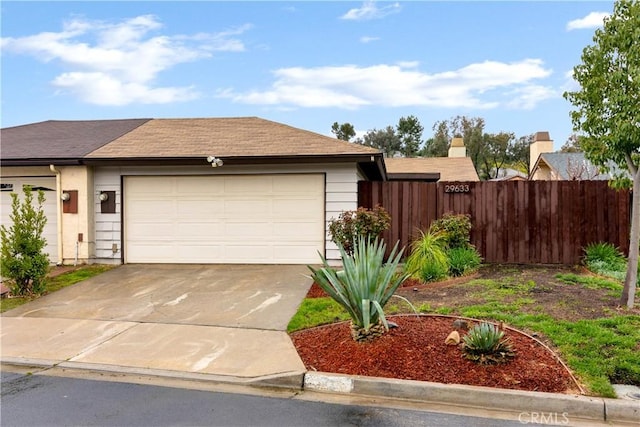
298	254
154	250
198	253
224	219
198	208
199	231
248	185
199	187
301	207
247	207
150	208
289	184
243	231
296	232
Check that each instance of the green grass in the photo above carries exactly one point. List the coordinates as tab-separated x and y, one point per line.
315	312
57	283
599	351
497	290
590	282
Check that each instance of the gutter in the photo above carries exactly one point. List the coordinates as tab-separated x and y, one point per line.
58	210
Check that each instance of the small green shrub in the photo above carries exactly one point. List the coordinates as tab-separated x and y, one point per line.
486	344
457	228
24	262
605	253
364	286
361	222
606	260
463	261
428	260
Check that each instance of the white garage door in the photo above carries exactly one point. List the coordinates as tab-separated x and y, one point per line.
48	185
262	219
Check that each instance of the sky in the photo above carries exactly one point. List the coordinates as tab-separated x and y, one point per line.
307	64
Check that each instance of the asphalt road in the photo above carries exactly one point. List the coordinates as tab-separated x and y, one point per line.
41	400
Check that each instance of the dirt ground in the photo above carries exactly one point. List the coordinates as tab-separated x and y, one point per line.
560	300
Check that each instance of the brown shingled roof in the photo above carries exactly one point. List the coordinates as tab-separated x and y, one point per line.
449	168
55	139
223	137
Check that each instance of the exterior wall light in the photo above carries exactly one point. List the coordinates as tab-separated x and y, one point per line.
103	197
215	162
65	196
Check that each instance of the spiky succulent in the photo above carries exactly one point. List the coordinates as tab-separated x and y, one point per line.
486	344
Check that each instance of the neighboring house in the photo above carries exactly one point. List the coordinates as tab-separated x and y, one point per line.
568	167
431	169
508	174
547	165
219	190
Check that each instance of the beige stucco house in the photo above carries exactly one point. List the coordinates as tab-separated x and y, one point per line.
212	190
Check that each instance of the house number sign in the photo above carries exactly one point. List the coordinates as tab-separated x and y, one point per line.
460	188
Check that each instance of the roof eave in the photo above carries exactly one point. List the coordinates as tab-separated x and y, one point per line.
40	162
426	176
371	164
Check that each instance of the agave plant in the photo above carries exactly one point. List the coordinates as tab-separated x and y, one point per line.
364	286
486	344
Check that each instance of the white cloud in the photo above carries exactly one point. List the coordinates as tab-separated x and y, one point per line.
369	10
527	97
368	39
117	63
481	85
592	20
103	89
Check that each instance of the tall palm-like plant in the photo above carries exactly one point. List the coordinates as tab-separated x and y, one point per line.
364	286
428	260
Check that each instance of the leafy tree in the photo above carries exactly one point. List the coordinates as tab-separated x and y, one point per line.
519	155
470	129
572	145
409	131
495	153
23	259
344	131
385	140
606	110
437	146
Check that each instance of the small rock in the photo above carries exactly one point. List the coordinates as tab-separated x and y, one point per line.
453	338
392	325
415	289
461	324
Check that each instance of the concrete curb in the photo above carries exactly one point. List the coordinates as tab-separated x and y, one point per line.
552	405
285	380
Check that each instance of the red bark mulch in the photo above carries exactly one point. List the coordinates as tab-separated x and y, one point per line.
416	351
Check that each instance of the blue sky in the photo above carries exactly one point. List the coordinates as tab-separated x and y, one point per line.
303	63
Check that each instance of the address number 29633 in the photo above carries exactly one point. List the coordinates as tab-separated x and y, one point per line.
457	188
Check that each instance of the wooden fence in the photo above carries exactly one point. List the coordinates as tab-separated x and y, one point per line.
518	222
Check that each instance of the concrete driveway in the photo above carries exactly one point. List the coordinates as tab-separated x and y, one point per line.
251	296
223	320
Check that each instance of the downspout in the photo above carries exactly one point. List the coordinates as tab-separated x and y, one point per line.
58	210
